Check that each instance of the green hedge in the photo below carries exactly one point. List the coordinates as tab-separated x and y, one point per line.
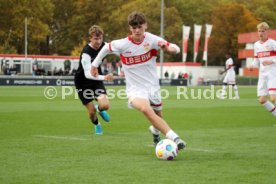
246	80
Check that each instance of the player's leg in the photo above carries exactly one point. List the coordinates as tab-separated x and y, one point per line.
273	100
154	131
263	93
224	87
86	96
93	117
103	106
272	92
267	104
236	91
103	103
223	91
160	124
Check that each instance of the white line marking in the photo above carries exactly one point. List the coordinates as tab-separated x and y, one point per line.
201	150
150	145
191	149
61	137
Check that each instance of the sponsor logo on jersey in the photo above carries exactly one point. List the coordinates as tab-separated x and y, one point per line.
138	58
266	54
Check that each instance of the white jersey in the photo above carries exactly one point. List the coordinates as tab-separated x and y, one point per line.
230	77
138	61
265	51
230	64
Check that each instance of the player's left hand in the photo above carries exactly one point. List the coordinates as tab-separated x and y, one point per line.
162	45
94	71
265	63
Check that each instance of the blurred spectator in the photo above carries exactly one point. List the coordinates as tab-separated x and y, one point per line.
185	75
190	78
67	65
180	75
172	75
55	72
166	75
74	71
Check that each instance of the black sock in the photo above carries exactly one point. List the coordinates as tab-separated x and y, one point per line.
98	109
95	122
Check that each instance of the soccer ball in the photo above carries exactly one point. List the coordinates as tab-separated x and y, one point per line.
166	149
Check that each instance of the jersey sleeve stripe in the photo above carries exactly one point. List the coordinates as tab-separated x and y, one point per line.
109	46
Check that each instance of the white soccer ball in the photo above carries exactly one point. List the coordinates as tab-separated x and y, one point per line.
166	149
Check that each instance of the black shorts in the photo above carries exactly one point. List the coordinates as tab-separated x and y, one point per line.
90	93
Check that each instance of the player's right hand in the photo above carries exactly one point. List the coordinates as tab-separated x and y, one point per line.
109	77
94	71
265	63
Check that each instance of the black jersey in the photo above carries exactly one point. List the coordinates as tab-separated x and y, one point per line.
80	80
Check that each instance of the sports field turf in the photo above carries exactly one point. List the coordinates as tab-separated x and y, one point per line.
52	141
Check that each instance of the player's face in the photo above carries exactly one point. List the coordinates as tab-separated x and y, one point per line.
262	34
138	31
96	41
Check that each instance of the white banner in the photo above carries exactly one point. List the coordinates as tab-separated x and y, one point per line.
197	32
186	33
207	36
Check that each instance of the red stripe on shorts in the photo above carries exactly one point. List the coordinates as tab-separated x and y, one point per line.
156	105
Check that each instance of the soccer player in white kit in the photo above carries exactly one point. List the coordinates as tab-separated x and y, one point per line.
265	57
138	53
230	78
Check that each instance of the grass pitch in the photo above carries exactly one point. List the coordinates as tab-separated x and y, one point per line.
52	141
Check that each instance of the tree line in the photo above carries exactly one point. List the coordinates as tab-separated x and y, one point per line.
60	26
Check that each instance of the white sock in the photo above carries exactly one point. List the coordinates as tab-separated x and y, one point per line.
236	90
154	130
171	135
223	93
270	107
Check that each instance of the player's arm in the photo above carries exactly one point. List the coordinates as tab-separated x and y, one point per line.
226	69
85	61
98	60
256	61
168	47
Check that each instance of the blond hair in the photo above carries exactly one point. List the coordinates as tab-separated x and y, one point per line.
263	25
95	30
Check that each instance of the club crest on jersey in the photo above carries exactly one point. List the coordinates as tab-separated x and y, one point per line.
146	46
267	47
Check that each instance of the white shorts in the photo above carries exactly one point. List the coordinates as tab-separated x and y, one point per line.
230	78
152	94
266	85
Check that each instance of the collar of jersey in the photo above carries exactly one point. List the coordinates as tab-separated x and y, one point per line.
261	42
137	43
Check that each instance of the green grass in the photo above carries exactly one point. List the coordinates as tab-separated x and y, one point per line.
52	141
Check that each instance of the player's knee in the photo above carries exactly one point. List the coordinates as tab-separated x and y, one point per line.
262	100
104	106
273	100
144	110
